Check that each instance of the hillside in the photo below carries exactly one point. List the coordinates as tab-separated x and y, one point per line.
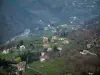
18	15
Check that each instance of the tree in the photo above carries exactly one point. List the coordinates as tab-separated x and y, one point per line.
6	68
55	49
55	52
21	42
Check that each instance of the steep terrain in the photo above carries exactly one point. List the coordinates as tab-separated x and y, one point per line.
17	15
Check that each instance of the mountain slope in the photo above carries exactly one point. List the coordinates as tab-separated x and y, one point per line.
18	15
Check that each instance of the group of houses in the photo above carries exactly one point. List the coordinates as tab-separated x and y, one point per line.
13	49
55	38
47	44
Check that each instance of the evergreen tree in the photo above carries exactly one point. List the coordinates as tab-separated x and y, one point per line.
55	49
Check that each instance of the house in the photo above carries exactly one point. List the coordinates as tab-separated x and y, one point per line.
21	66
5	51
88	46
61	39
65	42
54	38
59	48
45	39
22	47
90	73
44	56
84	52
49	49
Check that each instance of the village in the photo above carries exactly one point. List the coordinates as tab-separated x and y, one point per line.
49	37
51	49
57	54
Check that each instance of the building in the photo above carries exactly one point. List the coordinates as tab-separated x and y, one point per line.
5	51
61	39
45	39
59	48
49	49
88	46
44	56
54	38
65	42
22	47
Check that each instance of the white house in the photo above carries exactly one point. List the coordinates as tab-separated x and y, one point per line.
59	48
61	39
44	56
5	51
49	49
45	39
88	46
22	47
65	42
54	38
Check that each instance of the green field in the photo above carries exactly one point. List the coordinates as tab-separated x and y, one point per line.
53	67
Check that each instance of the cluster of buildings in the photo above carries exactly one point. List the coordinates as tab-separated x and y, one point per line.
48	42
13	49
